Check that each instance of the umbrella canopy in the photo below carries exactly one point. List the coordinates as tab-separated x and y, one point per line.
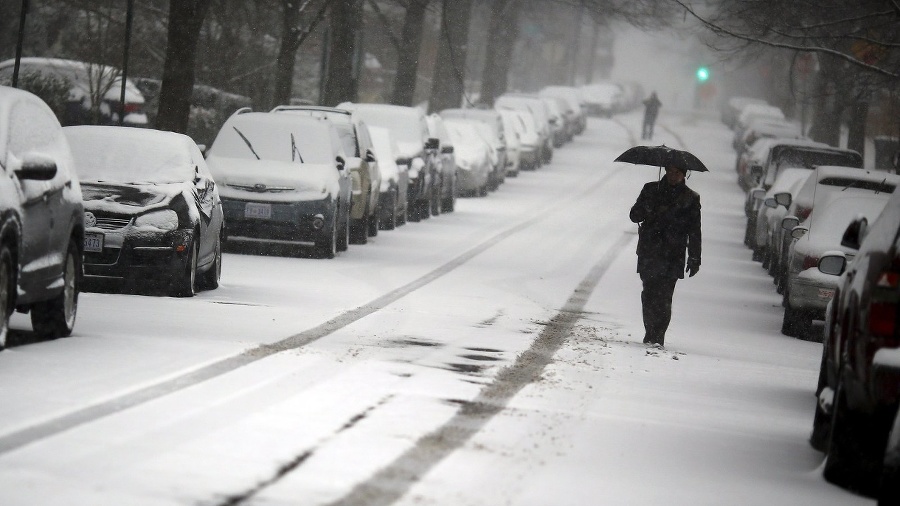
662	156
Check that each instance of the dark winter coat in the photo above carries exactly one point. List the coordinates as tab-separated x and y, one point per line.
669	218
651	107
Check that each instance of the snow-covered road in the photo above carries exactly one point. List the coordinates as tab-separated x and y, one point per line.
489	356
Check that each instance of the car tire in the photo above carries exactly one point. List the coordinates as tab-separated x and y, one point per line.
390	223
359	231
185	283
343	236
7	291
209	280
374	222
436	202
448	205
56	317
854	449
821	430
796	322
326	245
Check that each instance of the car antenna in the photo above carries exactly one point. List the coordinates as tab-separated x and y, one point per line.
247	141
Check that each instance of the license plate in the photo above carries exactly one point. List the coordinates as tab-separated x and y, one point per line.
826	294
258	211
93	243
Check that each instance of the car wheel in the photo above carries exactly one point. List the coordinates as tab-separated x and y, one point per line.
448	205
374	222
359	231
185	283
7	289
425	209
56	317
210	279
855	448
796	322
821	430
343	238
389	220
436	202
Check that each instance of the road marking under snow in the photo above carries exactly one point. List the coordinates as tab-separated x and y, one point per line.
395	479
48	428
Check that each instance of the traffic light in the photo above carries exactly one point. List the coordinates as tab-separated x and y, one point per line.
702	74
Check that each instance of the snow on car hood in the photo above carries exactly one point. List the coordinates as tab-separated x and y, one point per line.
125	198
409	149
274	180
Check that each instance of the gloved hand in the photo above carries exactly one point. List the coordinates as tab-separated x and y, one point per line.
693	265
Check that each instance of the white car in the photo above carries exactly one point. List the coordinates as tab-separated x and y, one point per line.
809	290
515	129
472	157
394	178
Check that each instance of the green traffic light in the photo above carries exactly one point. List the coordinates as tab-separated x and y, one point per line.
702	74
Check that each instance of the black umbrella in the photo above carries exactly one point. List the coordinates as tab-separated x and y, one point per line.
662	156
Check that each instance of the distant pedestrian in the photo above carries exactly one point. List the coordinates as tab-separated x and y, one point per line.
668	214
651	110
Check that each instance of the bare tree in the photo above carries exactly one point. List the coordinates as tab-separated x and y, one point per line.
448	82
341	82
295	30
408	53
502	33
185	19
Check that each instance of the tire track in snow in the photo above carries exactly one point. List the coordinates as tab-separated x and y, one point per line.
48	428
394	481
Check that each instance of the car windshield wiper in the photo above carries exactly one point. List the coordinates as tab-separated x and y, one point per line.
247	141
294	149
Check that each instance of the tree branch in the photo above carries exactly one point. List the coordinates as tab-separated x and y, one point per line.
387	24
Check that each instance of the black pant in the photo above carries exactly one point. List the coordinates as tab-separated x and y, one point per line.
647	130
656	300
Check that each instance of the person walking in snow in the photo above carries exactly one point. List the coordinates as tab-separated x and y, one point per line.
668	214
651	109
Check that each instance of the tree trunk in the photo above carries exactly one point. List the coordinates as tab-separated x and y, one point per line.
504	28
342	71
408	53
448	82
826	123
185	19
287	54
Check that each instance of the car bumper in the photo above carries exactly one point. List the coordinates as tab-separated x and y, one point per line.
139	256
288	222
811	294
471	180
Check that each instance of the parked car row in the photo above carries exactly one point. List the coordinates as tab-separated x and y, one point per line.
828	232
85	207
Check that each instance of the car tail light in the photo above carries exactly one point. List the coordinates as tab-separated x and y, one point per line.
803	212
132	108
810	262
883	303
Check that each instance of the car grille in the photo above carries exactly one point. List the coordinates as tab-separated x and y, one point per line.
261	188
112	223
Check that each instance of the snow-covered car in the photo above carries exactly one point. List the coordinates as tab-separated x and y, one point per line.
577	110
529	140
602	98
283	181
774	208
533	105
364	169
808	290
733	107
41	218
753	112
95	90
394	178
858	389
765	127
496	137
515	129
152	211
447	161
558	124
472	157
825	183
418	151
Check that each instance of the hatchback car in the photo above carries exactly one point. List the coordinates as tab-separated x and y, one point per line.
496	137
538	110
472	157
152	209
41	218
283	181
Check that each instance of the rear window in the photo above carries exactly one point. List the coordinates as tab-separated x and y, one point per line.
812	159
845	182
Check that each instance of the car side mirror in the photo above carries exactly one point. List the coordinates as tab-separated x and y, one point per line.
447	150
36	167
798	232
770	202
403	161
789	222
202	148
756	172
433	143
783	199
197	177
855	233
370	156
758	194
833	263
341	163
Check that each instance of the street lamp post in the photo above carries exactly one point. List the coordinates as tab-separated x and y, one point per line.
129	18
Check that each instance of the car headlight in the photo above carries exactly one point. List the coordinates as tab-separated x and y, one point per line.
165	219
